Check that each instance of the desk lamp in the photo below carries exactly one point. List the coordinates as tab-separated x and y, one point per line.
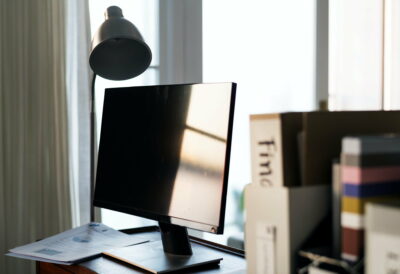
118	53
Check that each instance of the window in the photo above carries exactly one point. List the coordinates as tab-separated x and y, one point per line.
355	55
268	48
364	54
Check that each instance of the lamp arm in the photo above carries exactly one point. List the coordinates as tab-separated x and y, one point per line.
93	146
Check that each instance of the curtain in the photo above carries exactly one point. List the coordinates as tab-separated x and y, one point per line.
78	95
38	80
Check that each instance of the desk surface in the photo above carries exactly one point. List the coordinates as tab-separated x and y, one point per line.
233	260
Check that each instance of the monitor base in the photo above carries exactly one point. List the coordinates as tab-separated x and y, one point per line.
151	257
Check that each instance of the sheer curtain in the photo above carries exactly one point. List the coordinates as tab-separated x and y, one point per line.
35	174
78	92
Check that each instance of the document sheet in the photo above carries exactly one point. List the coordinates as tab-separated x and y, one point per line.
75	245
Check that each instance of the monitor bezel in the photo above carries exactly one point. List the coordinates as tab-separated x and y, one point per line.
176	220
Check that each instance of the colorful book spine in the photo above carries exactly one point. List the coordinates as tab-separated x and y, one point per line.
370	172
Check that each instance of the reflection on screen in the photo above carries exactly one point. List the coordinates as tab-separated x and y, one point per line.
202	155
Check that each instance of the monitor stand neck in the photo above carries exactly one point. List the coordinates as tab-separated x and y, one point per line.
175	239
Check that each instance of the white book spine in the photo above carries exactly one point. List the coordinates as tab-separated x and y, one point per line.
357	145
266	152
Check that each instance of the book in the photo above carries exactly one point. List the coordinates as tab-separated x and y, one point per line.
372	144
336	208
352	243
356	205
372	160
274	148
371	190
369	175
352	220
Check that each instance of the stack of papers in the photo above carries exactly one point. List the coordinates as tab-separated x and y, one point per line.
75	245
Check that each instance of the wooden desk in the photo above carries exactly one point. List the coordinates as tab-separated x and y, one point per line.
233	260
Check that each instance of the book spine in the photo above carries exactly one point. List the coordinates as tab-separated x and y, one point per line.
357	205
371	190
371	160
352	243
266	150
371	144
336	208
370	175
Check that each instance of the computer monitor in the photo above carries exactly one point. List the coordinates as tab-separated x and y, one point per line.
164	155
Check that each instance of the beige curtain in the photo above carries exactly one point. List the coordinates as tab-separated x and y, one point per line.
34	167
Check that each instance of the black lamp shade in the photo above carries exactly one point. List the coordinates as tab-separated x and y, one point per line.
118	50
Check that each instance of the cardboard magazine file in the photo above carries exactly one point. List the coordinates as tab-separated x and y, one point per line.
278	221
325	130
297	148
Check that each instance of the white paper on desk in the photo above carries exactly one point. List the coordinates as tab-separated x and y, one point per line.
37	259
78	243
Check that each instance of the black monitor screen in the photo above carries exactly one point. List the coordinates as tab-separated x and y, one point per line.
164	153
